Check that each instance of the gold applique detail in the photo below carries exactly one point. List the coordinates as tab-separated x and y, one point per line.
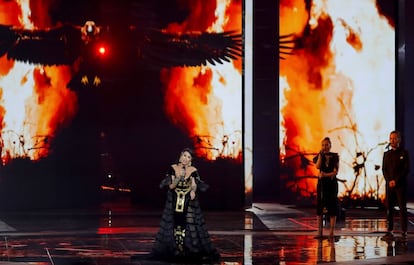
181	192
179	235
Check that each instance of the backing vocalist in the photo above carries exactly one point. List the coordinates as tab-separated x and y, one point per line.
327	188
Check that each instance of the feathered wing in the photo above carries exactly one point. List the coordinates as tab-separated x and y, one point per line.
57	46
7	39
157	48
160	49
287	43
63	45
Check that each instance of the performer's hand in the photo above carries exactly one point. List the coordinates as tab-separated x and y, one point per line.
192	194
174	181
392	184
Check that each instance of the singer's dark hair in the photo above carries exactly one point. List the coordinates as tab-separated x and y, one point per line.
189	150
327	139
397	133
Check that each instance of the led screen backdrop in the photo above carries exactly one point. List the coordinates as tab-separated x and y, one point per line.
339	82
120	113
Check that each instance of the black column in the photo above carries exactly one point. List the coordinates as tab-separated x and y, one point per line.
265	100
405	77
400	63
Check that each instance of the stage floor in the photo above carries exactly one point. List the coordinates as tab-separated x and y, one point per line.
265	234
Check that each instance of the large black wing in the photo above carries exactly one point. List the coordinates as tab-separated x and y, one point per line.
65	44
57	46
160	49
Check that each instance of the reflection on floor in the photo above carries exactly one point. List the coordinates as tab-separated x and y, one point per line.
264	234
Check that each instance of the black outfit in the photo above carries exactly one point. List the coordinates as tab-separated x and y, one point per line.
327	187
395	166
183	235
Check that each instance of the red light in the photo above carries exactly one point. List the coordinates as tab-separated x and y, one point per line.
102	50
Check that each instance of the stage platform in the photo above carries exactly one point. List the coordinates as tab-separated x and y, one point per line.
267	233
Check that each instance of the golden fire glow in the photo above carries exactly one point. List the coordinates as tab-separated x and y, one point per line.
340	84
206	101
34	101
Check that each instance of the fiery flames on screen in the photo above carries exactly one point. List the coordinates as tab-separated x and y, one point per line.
34	101
339	83
206	101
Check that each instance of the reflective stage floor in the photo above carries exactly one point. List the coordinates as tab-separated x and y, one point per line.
264	234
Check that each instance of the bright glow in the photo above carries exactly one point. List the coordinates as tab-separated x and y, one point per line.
102	50
341	85
34	100
206	101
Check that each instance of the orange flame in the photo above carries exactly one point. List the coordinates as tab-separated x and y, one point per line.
341	85
206	101
34	101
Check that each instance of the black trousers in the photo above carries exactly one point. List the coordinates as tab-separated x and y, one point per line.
396	196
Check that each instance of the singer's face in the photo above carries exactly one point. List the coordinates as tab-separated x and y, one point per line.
394	140
185	158
325	146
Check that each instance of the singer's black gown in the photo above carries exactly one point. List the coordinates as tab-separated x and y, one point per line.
327	188
183	235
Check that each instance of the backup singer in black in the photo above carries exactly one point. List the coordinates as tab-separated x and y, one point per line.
395	167
327	188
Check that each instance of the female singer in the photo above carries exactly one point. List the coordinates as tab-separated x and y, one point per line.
327	187
183	235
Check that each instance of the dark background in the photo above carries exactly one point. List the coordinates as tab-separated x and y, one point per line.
405	91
